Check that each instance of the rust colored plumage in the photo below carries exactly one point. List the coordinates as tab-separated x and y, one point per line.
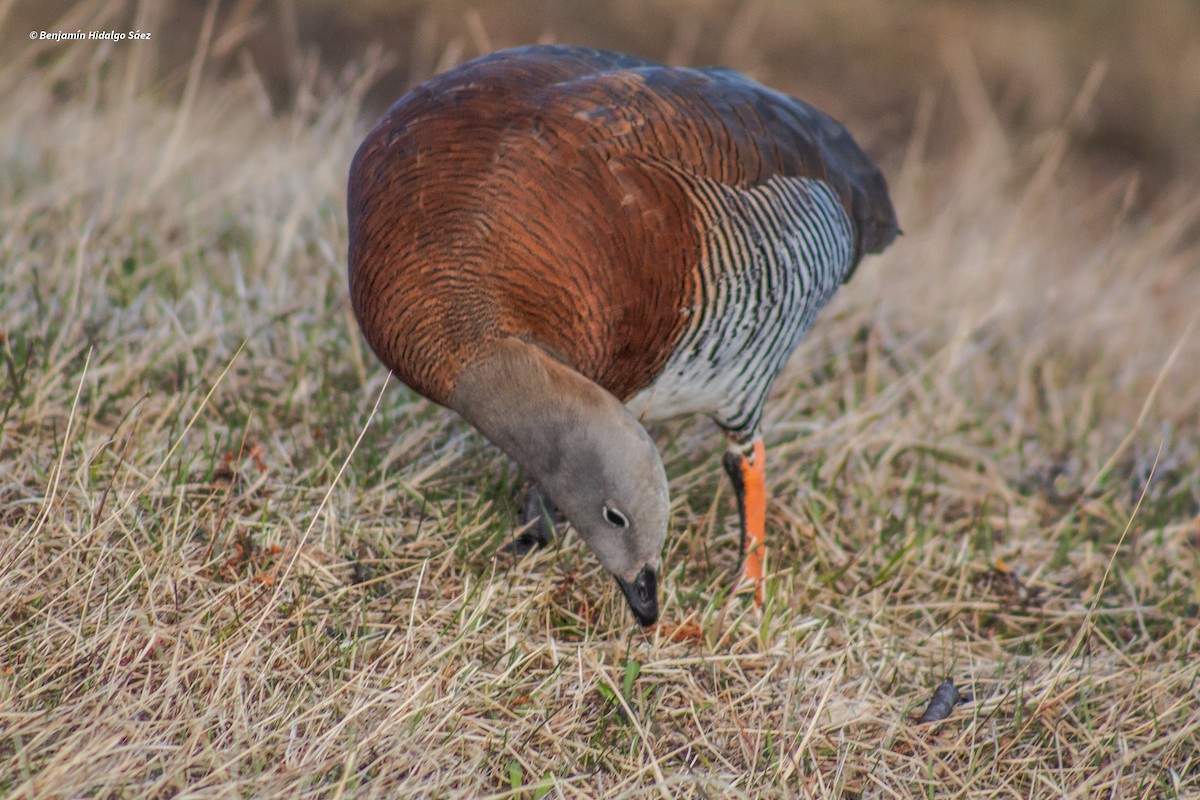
537	193
559	243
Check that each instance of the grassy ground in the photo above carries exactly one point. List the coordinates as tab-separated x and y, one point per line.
236	561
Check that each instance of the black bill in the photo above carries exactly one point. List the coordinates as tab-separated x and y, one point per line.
642	594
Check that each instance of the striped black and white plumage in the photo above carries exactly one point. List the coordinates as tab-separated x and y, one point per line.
771	257
557	242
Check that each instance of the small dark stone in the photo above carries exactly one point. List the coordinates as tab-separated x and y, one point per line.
945	697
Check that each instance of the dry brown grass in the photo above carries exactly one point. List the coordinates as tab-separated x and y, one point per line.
985	464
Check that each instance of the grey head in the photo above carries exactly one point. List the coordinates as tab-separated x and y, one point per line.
591	455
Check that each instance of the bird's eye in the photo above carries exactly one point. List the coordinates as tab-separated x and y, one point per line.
615	517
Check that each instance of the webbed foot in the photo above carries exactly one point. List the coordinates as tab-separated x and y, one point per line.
538	508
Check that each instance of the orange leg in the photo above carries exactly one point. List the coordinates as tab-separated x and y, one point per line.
748	472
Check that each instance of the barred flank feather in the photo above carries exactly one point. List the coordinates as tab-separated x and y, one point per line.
772	257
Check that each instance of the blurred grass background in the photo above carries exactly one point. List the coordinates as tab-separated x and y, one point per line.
868	62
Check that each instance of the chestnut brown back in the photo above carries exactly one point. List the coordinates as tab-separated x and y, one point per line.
542	193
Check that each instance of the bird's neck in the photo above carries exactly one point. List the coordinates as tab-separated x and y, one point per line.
530	405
